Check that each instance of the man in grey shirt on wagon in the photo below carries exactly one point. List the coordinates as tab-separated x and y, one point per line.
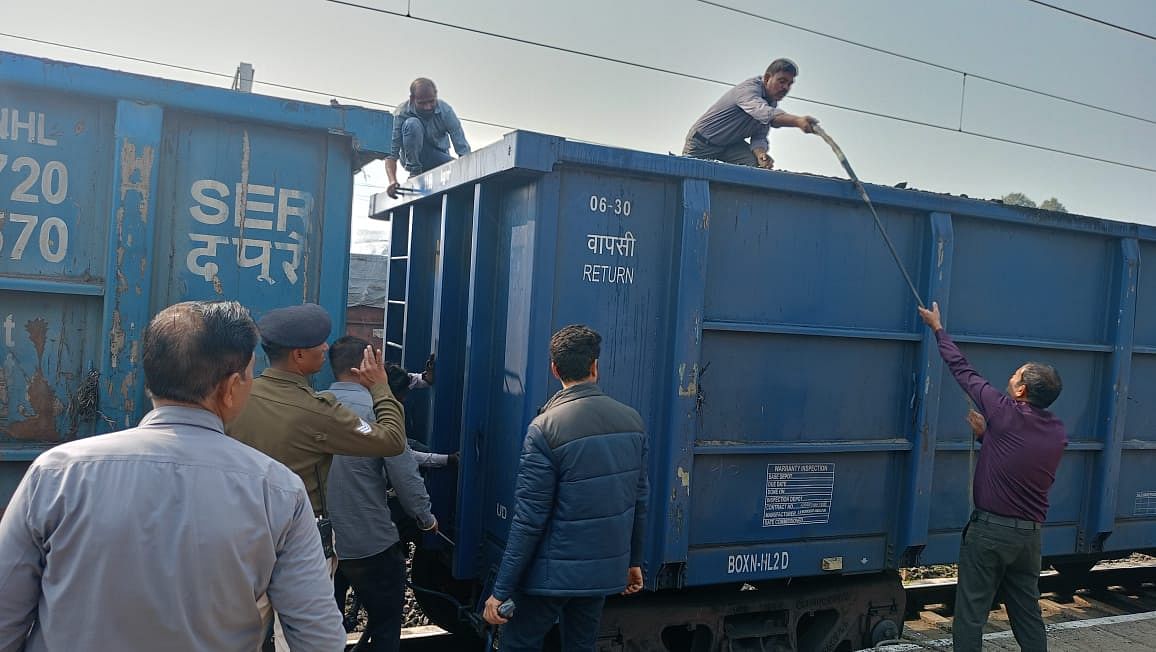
747	111
370	552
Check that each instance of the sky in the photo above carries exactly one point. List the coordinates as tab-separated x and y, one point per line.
363	56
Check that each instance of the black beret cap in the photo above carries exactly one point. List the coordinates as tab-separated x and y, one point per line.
296	327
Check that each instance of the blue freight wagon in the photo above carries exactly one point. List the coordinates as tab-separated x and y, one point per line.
121	194
806	439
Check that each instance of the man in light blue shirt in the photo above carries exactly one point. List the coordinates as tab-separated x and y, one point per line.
423	127
747	111
370	551
166	536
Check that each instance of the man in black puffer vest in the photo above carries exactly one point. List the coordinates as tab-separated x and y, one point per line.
579	507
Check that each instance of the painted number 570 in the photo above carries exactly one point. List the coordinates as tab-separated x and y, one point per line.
53	236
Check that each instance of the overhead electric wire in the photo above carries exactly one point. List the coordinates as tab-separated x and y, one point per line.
958	71
1094	20
589	55
676	73
212	73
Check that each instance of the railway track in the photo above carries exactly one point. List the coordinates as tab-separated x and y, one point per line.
1108	604
430	638
1112	602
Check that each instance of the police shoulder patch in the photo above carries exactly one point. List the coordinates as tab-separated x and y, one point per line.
363	427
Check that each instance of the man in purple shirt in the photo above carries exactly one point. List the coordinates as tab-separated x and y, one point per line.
747	111
1022	446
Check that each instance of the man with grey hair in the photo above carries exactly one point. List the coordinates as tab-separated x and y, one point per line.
747	111
423	128
161	537
1022	446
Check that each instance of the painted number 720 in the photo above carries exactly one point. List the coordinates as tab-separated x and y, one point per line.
53	181
53	240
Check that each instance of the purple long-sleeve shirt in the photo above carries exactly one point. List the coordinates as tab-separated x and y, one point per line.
1021	447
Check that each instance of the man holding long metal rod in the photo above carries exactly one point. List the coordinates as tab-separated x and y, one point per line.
747	111
1022	446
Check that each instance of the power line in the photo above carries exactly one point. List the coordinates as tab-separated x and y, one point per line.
582	54
1094	20
202	71
118	56
925	62
676	73
515	39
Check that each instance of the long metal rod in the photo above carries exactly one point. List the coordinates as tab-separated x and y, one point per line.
863	193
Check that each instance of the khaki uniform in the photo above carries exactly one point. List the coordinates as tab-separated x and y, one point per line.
303	429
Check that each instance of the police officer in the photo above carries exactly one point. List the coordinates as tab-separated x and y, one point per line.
302	429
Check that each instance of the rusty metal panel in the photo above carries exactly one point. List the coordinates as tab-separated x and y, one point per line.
126	298
53	199
121	194
51	343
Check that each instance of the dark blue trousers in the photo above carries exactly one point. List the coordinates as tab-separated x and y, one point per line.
379	582
418	155
534	615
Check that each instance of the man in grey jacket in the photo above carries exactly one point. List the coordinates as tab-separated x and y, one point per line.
370	553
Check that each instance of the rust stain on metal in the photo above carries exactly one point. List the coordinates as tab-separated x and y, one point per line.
126	389
116	339
705	220
41	423
136	175
243	195
38	335
306	239
79	128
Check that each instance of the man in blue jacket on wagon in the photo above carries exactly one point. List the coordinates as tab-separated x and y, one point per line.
579	507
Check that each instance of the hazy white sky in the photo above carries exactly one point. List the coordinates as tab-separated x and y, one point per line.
354	53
